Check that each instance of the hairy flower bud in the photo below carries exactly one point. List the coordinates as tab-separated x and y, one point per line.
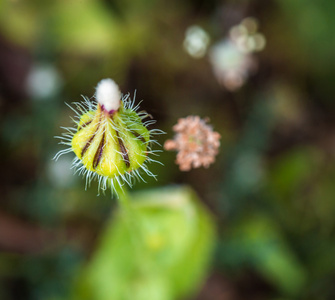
110	140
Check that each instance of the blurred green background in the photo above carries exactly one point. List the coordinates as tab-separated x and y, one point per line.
258	224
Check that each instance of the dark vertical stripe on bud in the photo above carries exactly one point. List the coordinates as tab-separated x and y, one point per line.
123	150
137	135
98	154
84	125
87	145
91	139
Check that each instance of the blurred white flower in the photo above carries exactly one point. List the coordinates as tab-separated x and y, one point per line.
60	173
43	82
231	58
230	65
246	37
196	41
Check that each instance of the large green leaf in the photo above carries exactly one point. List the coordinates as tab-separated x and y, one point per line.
158	250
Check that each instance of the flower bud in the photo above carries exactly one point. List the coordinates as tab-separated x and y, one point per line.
110	140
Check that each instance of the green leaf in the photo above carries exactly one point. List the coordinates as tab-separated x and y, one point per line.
259	242
160	250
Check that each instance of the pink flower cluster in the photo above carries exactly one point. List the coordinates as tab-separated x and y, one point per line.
196	142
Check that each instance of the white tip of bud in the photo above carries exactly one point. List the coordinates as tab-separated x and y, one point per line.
108	94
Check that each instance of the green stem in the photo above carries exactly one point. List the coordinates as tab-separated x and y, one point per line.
129	213
122	196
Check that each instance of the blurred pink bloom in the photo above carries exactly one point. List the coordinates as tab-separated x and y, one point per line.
196	142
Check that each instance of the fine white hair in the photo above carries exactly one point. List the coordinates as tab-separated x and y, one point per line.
108	94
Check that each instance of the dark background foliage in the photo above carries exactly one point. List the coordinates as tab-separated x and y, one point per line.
271	189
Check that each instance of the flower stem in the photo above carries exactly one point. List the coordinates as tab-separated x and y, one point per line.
122	196
129	212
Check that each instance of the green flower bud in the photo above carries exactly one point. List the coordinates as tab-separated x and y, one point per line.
110	140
